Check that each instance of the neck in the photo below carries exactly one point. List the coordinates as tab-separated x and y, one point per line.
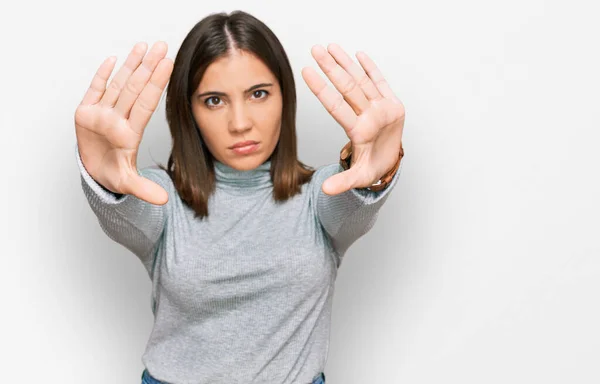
233	179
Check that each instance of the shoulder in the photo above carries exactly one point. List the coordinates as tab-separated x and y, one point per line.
327	170
157	174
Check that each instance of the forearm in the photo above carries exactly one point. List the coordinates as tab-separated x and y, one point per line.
134	223
349	215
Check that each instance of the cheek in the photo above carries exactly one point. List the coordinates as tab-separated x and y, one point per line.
210	135
271	116
208	131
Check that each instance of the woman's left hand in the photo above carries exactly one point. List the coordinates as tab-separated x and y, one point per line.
371	115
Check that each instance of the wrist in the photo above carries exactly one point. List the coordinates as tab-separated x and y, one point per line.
382	183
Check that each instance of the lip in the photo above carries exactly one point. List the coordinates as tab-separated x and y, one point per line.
246	149
243	144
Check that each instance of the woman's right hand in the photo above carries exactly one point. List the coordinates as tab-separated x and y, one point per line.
110	122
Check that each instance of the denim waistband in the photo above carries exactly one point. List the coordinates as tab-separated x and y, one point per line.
148	379
319	379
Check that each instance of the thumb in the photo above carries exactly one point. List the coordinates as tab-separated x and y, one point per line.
146	189
340	182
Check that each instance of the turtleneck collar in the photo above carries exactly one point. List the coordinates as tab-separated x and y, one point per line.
233	179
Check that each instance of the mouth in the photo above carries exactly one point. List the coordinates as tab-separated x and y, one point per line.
243	144
245	147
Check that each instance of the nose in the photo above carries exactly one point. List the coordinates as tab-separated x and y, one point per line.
240	120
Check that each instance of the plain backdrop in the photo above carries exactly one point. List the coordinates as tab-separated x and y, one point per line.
484	264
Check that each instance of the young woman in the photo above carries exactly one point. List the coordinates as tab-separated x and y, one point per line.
241	240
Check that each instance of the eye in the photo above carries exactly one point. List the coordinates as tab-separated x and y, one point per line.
210	98
261	90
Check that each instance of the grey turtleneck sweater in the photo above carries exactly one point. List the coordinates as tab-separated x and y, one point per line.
245	296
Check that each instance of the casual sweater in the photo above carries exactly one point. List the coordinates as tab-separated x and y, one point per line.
244	296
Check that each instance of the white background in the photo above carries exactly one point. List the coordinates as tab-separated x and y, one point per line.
484	265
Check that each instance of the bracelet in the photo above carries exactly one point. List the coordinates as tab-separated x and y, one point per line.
345	159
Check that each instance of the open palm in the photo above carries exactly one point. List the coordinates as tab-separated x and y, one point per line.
370	113
110	120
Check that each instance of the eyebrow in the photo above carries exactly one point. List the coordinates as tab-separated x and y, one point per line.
246	91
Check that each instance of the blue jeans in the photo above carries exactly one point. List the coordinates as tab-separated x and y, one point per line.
148	379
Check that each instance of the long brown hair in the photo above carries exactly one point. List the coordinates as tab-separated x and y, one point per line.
190	163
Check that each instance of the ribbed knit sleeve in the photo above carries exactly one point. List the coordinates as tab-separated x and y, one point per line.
349	215
131	222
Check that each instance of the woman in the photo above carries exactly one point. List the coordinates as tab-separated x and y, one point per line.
241	240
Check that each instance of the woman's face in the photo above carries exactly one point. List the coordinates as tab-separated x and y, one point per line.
237	100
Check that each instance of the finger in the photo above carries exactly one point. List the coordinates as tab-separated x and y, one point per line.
116	84
98	84
146	189
139	79
341	79
340	182
376	76
146	103
359	76
333	102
